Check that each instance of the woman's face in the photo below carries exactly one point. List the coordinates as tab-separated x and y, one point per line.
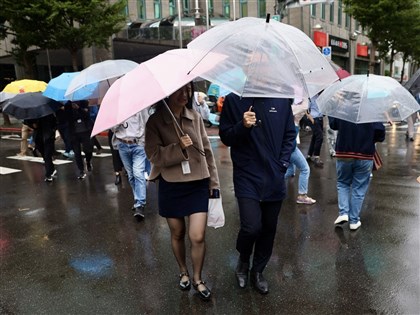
180	97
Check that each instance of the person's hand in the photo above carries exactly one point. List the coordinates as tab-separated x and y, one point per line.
249	118
185	141
311	119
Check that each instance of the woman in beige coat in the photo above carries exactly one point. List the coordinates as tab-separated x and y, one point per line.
183	163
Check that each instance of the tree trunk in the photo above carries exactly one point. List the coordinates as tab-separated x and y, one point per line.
372	62
74	60
391	63
403	66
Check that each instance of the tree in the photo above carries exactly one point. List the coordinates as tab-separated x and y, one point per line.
84	23
53	24
389	23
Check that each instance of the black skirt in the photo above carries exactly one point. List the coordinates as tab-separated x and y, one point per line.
180	199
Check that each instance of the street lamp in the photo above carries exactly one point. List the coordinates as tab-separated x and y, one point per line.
352	43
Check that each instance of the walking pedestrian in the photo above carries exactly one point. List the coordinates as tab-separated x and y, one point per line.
130	137
355	148
297	159
316	122
260	133
183	163
117	164
80	126
44	137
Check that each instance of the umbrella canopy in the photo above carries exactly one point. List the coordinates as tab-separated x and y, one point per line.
273	57
413	85
31	105
24	86
148	83
216	90
57	87
104	73
367	98
341	73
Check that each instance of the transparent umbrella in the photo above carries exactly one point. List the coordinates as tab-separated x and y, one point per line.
273	58
104	73
367	98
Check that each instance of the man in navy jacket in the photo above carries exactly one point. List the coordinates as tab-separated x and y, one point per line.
260	132
354	149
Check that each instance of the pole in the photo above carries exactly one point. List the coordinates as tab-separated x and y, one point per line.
49	63
207	15
234	10
179	23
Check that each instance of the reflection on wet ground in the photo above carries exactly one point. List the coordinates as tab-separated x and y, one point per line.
73	247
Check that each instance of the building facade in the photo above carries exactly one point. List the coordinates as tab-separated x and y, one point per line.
157	23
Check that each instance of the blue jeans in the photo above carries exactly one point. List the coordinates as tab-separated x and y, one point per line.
133	157
298	160
352	184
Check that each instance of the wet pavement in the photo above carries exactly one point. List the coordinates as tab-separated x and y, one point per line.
73	247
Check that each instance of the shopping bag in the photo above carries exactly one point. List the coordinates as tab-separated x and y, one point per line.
377	161
215	216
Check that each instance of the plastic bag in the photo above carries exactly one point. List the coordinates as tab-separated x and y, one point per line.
215	216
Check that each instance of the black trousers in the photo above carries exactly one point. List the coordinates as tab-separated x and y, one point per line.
116	159
81	141
45	144
257	232
317	136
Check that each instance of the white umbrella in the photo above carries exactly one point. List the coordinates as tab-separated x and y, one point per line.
367	98
266	58
105	73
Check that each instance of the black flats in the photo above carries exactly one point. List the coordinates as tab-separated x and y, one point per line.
184	285
204	294
241	273
259	283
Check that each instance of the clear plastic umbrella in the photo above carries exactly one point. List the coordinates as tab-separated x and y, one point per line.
274	59
367	98
104	73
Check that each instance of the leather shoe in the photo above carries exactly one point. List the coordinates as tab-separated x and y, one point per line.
259	283
139	213
203	294
241	273
117	179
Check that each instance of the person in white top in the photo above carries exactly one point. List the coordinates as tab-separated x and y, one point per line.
129	138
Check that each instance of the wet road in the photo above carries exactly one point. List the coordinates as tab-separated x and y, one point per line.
73	247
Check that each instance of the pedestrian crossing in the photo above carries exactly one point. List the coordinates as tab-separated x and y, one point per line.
7	170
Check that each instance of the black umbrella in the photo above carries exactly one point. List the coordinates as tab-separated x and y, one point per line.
30	106
413	85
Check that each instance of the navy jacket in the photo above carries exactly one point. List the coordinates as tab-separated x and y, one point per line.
260	154
356	141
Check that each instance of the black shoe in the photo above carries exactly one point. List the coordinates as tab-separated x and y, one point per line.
117	179
89	166
241	273
184	285
411	139
203	294
259	283
82	175
139	213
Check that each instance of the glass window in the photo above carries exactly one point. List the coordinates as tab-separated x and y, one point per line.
186	5
226	8
348	18
141	9
244	7
340	13
313	9
211	8
323	11
262	10
125	9
172	7
332	12
157	5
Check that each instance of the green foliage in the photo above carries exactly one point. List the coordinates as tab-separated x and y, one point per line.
70	24
391	24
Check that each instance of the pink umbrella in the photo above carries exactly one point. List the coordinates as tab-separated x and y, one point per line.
148	83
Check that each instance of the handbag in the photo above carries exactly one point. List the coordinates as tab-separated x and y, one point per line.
215	215
377	161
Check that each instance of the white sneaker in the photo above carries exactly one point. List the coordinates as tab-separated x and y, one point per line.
342	219
355	226
146	176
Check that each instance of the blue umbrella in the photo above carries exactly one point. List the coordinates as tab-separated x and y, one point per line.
217	90
57	87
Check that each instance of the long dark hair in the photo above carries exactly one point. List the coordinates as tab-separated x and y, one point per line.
159	105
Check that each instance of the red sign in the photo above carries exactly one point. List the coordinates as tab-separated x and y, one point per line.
320	39
362	50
